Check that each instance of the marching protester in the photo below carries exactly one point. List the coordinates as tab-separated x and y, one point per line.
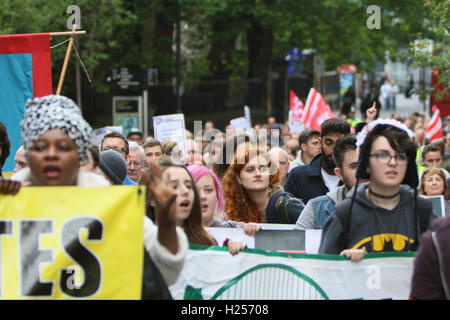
211	154
225	157
188	209
135	136
385	214
434	183
253	194
172	149
309	141
193	153
188	213
432	157
153	151
431	276
19	159
317	210
117	142
210	191
318	177
135	161
280	158
113	167
57	140
5	144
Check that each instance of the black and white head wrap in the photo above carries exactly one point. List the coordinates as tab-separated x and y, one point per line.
56	112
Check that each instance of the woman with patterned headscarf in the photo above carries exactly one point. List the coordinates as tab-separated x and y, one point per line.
57	140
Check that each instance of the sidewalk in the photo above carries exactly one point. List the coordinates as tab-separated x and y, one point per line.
404	106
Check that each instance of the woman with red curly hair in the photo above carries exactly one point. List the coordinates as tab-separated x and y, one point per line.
253	194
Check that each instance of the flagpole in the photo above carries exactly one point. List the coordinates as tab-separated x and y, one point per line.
66	61
67	33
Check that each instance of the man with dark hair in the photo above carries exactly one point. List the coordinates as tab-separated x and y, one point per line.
309	142
316	212
153	151
432	156
318	177
117	142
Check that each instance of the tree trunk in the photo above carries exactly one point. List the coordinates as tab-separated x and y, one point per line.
260	42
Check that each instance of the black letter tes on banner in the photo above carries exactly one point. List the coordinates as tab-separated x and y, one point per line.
31	257
85	258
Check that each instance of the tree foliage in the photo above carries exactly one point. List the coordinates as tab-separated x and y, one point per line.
224	39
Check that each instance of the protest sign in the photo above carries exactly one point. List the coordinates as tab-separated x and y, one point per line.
247	115
213	273
240	123
83	243
438	205
100	132
171	127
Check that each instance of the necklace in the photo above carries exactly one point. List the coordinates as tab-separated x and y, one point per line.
383	196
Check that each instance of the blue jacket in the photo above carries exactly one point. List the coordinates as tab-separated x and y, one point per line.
319	209
129	182
305	182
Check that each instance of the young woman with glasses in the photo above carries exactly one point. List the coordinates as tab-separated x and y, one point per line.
385	214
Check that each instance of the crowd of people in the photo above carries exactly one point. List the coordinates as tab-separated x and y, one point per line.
364	184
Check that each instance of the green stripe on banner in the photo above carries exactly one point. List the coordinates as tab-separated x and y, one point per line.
305	278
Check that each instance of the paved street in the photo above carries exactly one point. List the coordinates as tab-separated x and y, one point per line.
404	106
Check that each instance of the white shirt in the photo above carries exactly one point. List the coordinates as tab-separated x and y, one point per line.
385	90
330	181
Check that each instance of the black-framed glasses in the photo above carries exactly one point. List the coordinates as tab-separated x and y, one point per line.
117	149
386	157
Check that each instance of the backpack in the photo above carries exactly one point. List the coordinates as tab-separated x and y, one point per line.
279	215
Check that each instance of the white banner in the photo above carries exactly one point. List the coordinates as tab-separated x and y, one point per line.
213	273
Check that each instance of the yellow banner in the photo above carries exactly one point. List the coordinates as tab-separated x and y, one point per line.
72	243
7	175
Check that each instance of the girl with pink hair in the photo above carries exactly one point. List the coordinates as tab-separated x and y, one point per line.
210	190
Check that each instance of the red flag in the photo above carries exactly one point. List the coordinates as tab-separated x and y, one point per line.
38	45
25	73
297	106
434	130
316	110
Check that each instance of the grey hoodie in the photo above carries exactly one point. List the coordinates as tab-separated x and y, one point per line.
373	227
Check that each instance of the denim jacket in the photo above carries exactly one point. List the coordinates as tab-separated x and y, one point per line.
318	209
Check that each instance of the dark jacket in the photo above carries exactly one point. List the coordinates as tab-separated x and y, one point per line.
283	208
428	280
305	182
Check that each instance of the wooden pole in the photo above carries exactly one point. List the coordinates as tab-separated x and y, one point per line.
67	33
66	62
